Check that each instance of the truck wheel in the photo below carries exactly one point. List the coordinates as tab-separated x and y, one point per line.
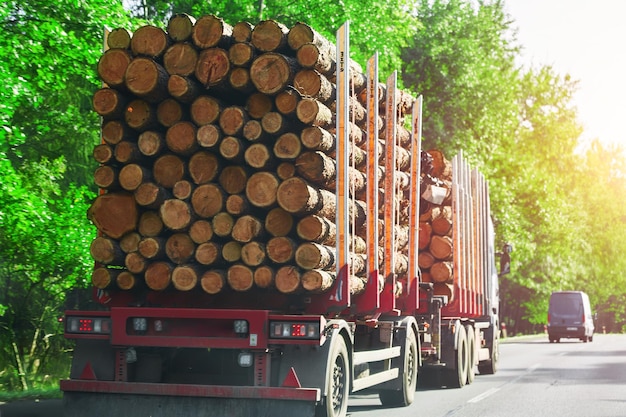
405	395
471	353
337	382
456	378
490	366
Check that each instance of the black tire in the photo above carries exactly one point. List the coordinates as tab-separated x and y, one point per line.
456	378
471	353
335	402
405	395
490	366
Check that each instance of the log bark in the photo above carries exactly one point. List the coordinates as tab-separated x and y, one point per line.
176	214
240	277
269	36
150	224
205	110
253	253
169	112
223	224
203	167
441	167
114	214
103	153
150	41
317	138
168	170
180	59
126	280
106	251
158	275
179	248
180	27
239	79
317	229
275	123
210	31
247	228
130	242
272	72
425	233
425	260
147	79
442	220
213	282
201	231
112	67
185	277
261	189
207	200
281	249
278	222
296	196
106	177
445	289
242	31
313	56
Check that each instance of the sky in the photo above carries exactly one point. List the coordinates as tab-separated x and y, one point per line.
587	40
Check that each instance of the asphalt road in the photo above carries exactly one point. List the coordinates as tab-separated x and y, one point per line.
535	378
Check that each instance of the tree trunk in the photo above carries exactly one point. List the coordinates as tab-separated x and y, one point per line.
151	195
242	31
231	251
233	179
232	149
315	256
314	113
316	138
441	247
287	100
296	196
183	89
103	153
209	136
239	79
133	175
287	147
136	263
237	204
442	220
181	138
109	103
275	123
151	143
258	104
258	156
106	177
242	54
317	229
253	131
318	281
183	190
141	115
313	56
167	170
201	231
119	38
232	120
313	84
115	131
127	281
441	271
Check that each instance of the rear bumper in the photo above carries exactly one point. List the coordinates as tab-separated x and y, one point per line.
573	332
110	398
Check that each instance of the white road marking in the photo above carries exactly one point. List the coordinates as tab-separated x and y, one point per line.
492	391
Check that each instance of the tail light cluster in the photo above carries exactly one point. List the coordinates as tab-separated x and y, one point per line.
88	325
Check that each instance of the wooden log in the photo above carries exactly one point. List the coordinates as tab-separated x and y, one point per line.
317	138
259	156
158	275
114	214
207	200
150	224
313	56
242	31
212	68
441	271
133	175
231	251
180	59
425	260
169	112
115	131
127	152
356	134
106	177
233	179
180	27
285	170
232	120
152	247
261	189
135	263
288	280
208	253
269	36
240	277
150	41
103	153
109	103
209	136
203	167
141	115
287	147
441	247
442	220
112	67
167	170
296	196
151	195
185	277
205	110
103	278
317	229
222	224
253	253
151	143
146	79
106	251
126	281
287	100
201	231
445	289
237	204
183	89
241	54
275	123
441	167
301	33
176	214
312	255
253	131
314	113
247	228
318	281
212	282
278	222
313	84
130	242
210	31
119	38
281	249
179	248
183	189
239	79
272	72
181	138
425	233
258	104
264	276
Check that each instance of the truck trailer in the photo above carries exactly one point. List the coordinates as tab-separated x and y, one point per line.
179	335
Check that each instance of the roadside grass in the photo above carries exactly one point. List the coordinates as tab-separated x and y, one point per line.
32	394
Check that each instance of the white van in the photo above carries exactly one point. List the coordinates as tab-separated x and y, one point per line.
569	316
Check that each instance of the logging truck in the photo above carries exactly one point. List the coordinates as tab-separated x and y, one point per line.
271	236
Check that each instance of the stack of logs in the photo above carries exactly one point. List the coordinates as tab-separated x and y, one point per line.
217	159
435	234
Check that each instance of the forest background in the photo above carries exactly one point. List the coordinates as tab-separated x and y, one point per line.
560	203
